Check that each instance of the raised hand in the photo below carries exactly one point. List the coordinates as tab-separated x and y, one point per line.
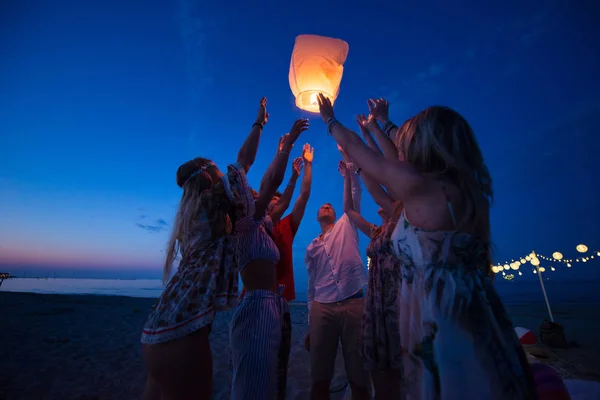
297	166
361	120
343	168
379	109
325	107
308	153
289	139
263	115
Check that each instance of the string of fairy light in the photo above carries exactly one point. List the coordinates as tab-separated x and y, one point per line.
533	258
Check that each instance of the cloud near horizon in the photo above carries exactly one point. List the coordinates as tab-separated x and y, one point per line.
153	226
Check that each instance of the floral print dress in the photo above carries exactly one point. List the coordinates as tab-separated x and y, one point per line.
458	341
207	278
381	334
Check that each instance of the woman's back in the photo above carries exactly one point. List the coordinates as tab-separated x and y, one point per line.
454	324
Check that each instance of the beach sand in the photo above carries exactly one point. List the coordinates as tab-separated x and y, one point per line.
88	347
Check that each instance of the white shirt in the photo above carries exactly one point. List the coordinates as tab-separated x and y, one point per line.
334	265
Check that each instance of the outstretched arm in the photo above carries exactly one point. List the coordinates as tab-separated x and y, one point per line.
302	200
349	210
400	178
274	174
247	153
376	191
379	195
383	143
380	110
354	180
286	197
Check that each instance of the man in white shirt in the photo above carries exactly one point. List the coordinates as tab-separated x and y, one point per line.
336	280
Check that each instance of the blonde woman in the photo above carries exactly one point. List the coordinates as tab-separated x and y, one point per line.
457	339
175	342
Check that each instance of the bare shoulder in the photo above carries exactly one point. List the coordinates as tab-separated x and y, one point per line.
428	207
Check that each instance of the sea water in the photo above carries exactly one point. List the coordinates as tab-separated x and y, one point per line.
523	291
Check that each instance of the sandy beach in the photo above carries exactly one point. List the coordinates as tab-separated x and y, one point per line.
87	347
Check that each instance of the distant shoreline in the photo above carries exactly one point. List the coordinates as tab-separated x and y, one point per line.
295	303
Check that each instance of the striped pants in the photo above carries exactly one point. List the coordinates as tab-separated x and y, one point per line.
260	339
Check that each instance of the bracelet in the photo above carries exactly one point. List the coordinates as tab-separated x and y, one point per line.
388	127
358	171
257	124
331	122
291	184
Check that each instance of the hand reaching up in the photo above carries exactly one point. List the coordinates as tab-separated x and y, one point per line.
325	108
343	168
308	153
379	109
297	166
361	120
263	115
289	139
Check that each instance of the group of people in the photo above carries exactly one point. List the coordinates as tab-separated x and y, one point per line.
429	324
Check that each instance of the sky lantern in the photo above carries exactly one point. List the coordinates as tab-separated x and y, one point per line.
317	66
582	248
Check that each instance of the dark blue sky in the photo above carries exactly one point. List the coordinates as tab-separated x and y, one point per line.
101	101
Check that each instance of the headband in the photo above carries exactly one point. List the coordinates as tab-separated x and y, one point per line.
199	170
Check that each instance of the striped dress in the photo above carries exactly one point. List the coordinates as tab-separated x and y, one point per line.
260	330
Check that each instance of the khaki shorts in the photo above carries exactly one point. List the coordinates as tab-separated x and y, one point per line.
330	324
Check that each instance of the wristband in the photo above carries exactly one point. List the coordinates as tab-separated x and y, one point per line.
257	124
388	127
331	122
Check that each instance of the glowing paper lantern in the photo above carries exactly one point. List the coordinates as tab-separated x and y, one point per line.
317	66
535	262
582	248
557	256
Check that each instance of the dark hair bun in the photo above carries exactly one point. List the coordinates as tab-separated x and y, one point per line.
185	170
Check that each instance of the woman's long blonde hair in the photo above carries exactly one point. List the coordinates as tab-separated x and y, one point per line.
440	141
202	213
